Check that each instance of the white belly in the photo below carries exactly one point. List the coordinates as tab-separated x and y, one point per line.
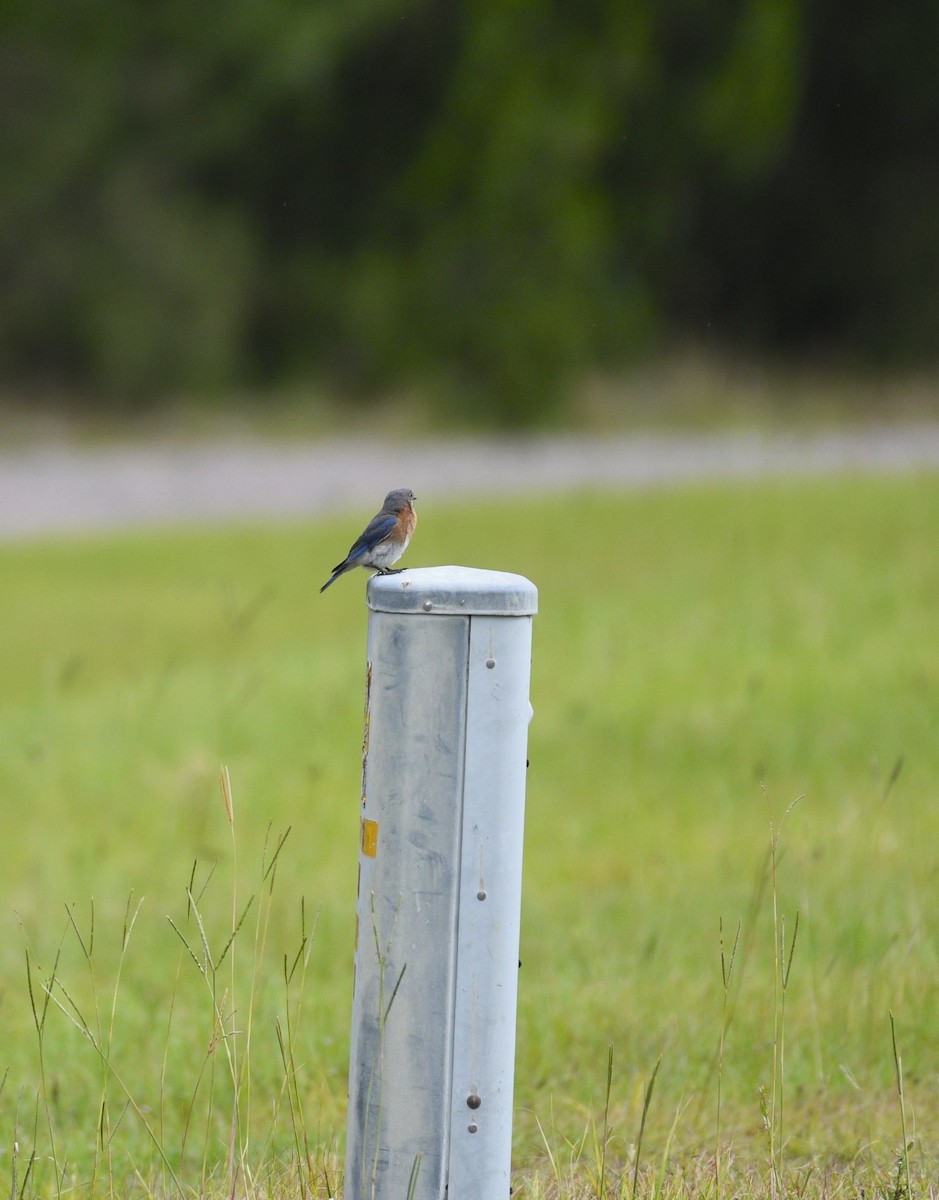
388	553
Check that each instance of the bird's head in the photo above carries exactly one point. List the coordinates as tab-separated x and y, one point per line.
398	499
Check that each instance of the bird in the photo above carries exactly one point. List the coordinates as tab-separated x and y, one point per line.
384	539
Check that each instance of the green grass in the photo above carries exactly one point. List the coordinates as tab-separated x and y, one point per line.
703	657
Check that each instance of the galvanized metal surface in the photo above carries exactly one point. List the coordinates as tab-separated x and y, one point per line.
453	590
490	908
433	1029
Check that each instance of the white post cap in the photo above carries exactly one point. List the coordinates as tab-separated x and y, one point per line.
453	590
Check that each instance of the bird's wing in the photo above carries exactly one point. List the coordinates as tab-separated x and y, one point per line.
374	533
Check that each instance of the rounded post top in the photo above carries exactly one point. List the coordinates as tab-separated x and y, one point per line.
453	590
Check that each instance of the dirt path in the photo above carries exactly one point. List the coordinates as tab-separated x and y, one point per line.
61	489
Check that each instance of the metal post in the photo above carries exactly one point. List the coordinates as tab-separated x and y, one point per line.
436	966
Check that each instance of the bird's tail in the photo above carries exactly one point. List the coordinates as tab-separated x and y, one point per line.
331	579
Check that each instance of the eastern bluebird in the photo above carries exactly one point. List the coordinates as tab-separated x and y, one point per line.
384	539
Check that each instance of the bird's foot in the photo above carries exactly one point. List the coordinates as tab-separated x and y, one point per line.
391	570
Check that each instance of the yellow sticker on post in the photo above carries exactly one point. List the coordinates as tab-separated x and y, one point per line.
369	837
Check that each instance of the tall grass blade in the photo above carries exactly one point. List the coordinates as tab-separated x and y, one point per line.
412	1182
650	1087
606	1123
898	1066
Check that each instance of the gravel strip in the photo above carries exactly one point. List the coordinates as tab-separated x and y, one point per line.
58	489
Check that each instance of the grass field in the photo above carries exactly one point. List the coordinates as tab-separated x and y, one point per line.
704	658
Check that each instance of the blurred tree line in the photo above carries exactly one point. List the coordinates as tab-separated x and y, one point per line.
485	197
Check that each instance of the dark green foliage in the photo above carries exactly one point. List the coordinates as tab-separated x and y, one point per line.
485	198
